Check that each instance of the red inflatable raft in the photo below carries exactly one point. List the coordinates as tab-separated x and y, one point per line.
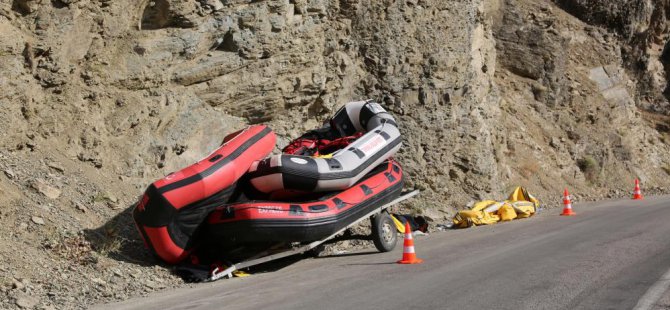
276	221
173	208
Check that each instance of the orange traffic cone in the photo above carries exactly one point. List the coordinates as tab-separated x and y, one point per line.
637	194
408	254
567	209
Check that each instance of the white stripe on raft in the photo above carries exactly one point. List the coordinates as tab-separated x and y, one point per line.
275	161
268	182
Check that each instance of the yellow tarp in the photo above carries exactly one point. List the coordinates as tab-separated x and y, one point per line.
520	204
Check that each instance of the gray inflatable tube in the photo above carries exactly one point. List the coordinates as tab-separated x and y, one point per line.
303	173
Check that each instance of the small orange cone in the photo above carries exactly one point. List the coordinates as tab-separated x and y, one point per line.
567	209
408	254
637	194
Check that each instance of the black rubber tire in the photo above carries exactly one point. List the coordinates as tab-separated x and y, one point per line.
384	232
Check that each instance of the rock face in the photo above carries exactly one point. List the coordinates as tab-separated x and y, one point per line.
643	26
102	97
533	50
567	93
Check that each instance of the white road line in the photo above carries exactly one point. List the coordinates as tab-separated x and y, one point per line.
654	293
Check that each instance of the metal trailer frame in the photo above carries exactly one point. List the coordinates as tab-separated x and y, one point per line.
219	273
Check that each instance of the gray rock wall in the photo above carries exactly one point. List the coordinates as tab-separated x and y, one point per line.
643	27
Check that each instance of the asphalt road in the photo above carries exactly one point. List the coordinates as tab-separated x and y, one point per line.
612	255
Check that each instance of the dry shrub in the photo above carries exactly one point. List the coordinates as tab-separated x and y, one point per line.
589	167
72	248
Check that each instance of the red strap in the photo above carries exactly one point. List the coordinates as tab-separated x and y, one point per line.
300	147
314	147
328	147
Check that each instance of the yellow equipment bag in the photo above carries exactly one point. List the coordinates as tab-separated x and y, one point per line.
521	194
506	212
525	209
520	204
476	215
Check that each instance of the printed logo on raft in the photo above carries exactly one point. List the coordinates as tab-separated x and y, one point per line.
299	161
270	209
372	146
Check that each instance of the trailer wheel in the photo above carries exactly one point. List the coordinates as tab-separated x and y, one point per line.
384	233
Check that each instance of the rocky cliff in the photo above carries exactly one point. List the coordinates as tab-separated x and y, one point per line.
643	28
101	97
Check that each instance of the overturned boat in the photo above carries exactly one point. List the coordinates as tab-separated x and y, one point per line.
172	209
289	197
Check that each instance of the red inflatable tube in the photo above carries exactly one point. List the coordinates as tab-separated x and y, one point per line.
277	221
173	208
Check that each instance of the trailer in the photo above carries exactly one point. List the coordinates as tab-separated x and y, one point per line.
384	236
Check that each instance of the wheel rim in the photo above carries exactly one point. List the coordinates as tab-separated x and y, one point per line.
387	233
